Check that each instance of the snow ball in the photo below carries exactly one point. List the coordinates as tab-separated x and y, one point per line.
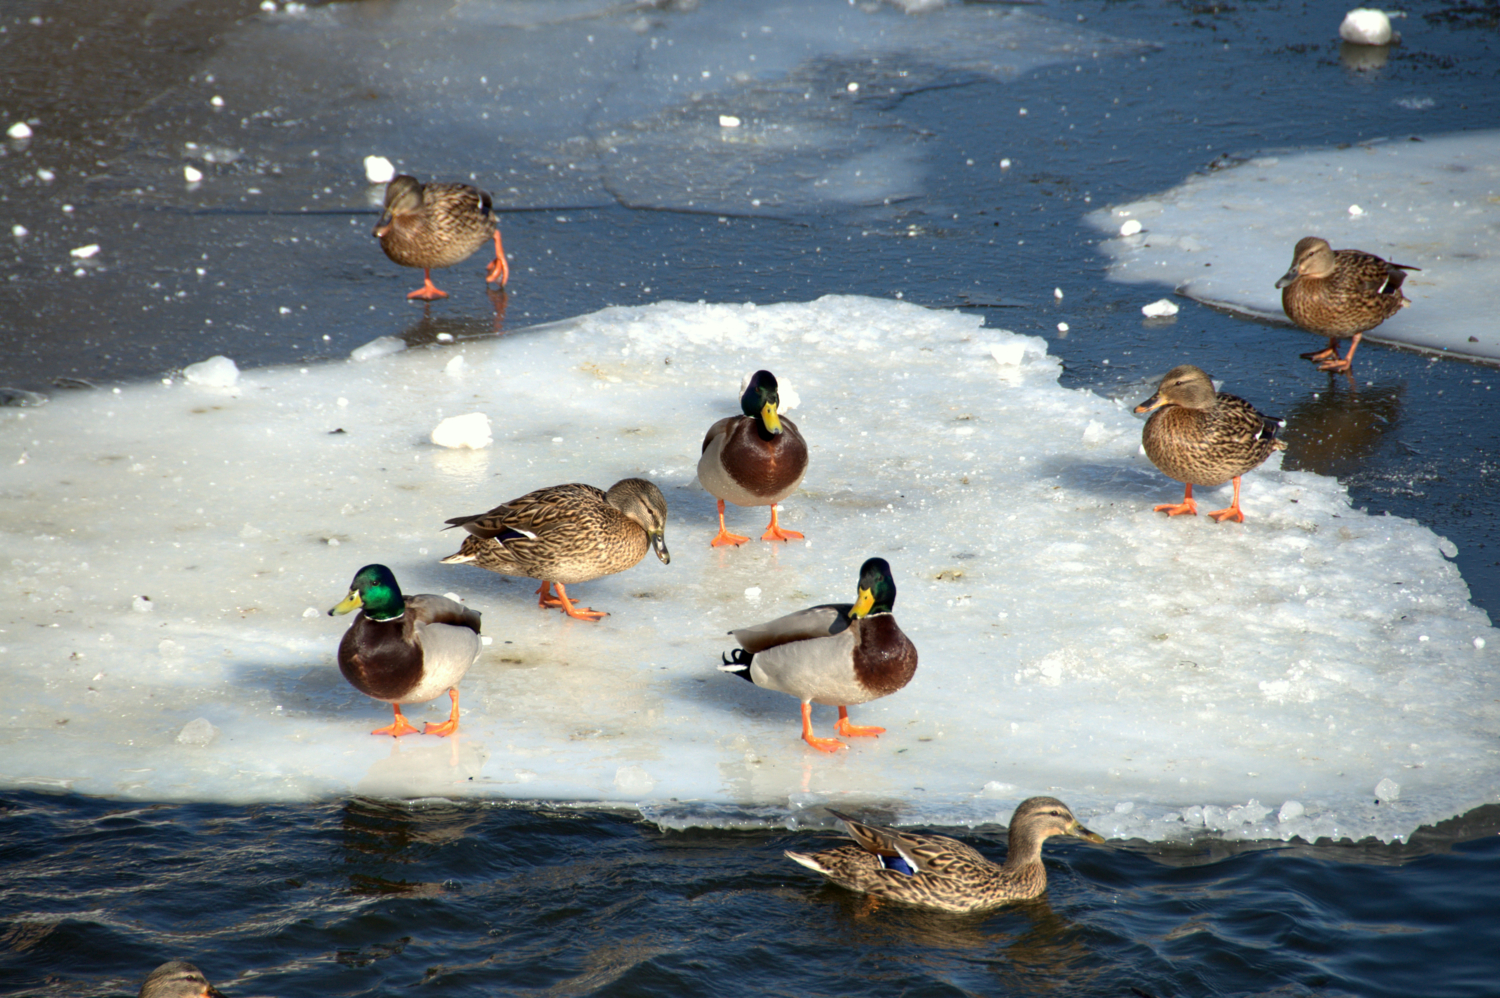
1290	811
378	170
1479	643
1063	327
728	121
217	101
1387	790
633	780
192	174
1095	433
20	130
1365	26
45	175
343	403
1005	164
753	593
454	367
215	372
1355	210
1057	293
1131	227
19	231
85	252
472	431
1009	354
380	346
486	640
269	6
852	87
197	732
311	612
445	337
1159	308
142	604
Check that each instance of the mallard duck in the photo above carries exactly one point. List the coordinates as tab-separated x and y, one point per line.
1340	294
566	534
836	654
178	979
757	459
438	225
1201	437
933	871
405	649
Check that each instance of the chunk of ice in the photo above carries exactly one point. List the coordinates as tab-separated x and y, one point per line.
198	731
215	372
378	170
1160	307
471	431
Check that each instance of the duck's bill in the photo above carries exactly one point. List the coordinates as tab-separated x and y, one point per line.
1154	402
1084	833
659	545
1287	278
350	602
864	604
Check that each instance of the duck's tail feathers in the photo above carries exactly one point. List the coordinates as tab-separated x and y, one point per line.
811	862
737	663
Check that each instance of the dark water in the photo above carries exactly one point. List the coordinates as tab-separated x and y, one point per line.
363	897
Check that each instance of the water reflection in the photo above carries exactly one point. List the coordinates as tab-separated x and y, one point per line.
1363	58
1334	432
383	838
446	327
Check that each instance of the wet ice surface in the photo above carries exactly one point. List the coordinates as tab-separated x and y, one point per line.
174	548
1225	237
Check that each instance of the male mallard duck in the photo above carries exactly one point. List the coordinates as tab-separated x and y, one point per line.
1200	437
178	979
835	654
757	459
405	649
566	534
933	871
438	225
1339	294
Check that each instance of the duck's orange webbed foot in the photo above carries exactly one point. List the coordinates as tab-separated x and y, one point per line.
724	538
428	291
449	726
848	730
1323	354
498	271
1188	505
1340	364
775	532
1233	511
545	597
821	744
400	726
576	612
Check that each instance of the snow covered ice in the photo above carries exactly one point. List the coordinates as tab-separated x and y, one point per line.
1165	677
1224	237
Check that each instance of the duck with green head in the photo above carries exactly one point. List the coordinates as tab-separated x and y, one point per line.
835	654
757	459
438	225
934	871
565	534
406	649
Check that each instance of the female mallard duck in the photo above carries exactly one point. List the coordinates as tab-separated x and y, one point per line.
757	459
438	225
933	871
1339	294
835	654
1201	437
566	534
405	649
178	979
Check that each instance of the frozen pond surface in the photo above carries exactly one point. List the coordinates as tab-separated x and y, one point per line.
1072	641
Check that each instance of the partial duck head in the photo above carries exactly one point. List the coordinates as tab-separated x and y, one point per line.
403	195
1040	818
178	979
1183	385
375	590
1312	257
877	590
643	502
760	401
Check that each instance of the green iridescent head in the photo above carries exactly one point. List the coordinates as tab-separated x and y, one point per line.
375	590
877	590
760	401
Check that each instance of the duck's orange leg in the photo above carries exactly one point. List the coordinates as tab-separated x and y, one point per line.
1342	363
577	612
545	597
775	533
1233	512
1186	506
400	726
1332	350
448	726
428	291
821	744
855	730
498	271
724	538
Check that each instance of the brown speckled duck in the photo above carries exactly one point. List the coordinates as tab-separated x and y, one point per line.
836	654
178	979
438	225
1340	294
566	534
1201	437
757	459
933	871
406	649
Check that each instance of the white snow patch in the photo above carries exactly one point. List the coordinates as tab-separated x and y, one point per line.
1366	26
471	431
215	372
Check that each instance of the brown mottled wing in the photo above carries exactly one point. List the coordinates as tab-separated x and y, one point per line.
814	622
534	513
934	854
